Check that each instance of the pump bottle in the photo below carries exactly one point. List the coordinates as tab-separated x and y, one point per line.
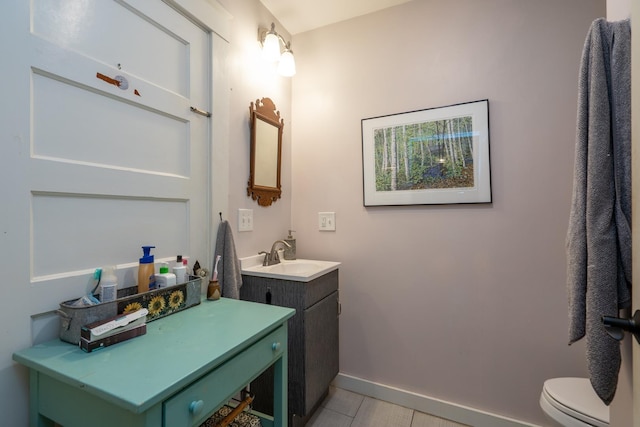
290	252
146	271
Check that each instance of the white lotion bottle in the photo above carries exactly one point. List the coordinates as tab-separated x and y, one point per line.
108	284
180	270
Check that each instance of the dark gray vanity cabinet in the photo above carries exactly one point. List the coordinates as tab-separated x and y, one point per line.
313	339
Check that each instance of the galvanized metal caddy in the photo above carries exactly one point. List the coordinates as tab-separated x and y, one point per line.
160	303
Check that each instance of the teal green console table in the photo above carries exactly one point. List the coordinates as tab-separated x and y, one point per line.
179	373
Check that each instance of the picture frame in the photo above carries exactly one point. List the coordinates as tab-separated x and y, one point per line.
431	156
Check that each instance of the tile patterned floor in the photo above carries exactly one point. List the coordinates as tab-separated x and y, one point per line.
343	408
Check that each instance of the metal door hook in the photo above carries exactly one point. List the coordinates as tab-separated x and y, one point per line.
615	326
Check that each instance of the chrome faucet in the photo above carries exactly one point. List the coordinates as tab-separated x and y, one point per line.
272	257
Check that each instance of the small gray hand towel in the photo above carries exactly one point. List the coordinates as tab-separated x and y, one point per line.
229	270
599	235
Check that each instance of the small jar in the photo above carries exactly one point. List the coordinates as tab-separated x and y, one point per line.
213	290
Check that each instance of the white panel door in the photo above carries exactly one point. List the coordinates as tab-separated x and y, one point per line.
117	160
100	153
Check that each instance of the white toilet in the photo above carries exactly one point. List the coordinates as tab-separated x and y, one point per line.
571	402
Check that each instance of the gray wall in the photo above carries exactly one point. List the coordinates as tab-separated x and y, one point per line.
252	78
464	303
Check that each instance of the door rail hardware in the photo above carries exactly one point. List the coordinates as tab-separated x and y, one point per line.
201	112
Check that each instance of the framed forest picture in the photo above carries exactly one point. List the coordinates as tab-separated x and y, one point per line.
432	156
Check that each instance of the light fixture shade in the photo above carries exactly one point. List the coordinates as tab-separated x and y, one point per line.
271	47
287	65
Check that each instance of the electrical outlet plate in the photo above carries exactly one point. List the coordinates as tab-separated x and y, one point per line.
327	221
245	219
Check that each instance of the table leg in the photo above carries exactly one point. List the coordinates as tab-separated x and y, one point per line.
35	419
280	390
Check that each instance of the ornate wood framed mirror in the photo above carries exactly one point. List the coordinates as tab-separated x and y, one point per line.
266	152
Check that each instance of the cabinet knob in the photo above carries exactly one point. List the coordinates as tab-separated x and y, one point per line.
196	406
275	346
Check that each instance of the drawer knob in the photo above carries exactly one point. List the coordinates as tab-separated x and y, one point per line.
275	346
196	406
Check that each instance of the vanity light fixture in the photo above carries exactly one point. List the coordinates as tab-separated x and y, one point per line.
270	41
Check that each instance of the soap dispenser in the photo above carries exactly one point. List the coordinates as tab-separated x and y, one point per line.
146	271
290	252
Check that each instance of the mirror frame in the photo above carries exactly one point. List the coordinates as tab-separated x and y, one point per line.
264	110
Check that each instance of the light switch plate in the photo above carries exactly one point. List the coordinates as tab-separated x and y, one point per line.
245	219
327	221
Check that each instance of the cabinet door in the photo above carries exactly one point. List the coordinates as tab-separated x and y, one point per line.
321	348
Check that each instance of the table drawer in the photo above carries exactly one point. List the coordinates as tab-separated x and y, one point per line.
192	405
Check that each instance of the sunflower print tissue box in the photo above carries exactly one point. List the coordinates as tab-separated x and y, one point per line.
164	301
159	302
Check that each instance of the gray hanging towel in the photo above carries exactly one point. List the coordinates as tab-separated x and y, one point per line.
229	270
599	235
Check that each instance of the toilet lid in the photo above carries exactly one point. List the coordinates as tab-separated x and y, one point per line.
576	397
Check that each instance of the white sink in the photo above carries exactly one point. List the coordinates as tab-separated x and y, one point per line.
299	270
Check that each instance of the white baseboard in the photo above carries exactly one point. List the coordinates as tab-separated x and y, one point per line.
439	408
